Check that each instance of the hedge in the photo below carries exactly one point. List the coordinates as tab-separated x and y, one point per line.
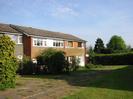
113	59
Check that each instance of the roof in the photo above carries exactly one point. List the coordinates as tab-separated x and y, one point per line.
29	31
45	33
7	28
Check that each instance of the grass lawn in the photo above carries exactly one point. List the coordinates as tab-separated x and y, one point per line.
118	84
108	82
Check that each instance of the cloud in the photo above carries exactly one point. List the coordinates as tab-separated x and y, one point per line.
62	8
64	11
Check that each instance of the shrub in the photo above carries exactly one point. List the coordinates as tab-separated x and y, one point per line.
114	59
67	66
53	60
74	64
8	63
26	66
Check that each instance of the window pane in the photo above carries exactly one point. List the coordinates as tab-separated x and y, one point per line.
54	44
45	43
58	43
34	42
20	39
14	38
70	44
62	44
79	44
39	42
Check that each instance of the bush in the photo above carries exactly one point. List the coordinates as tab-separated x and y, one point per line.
8	63
114	59
74	65
26	66
53	60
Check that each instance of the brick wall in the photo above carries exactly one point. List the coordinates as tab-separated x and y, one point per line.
27	44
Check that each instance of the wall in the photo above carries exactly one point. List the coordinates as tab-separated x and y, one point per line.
74	51
27	43
19	51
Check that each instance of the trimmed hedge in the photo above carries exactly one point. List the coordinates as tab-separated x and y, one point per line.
113	59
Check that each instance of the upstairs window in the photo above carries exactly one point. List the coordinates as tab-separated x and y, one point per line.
44	43
34	42
16	38
58	43
19	39
70	44
39	42
79	44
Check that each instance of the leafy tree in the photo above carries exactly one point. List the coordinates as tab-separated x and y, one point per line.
8	63
99	45
116	44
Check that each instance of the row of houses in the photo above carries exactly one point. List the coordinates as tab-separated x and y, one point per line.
31	41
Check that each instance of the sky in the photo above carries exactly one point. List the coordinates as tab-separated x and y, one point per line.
87	19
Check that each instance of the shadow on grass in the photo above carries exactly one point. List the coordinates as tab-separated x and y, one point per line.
121	79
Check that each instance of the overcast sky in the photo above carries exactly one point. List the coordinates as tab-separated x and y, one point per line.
88	19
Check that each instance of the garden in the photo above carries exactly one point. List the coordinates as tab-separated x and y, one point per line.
108	75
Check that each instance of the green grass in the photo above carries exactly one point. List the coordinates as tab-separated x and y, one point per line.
118	84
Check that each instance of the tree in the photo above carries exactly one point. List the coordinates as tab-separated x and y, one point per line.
129	48
91	53
8	63
116	43
99	45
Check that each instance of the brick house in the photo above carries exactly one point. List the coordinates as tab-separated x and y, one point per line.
31	41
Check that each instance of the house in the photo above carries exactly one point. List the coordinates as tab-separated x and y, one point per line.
31	41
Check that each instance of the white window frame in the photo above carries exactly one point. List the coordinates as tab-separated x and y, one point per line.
34	39
81	45
61	43
18	39
70	46
44	42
